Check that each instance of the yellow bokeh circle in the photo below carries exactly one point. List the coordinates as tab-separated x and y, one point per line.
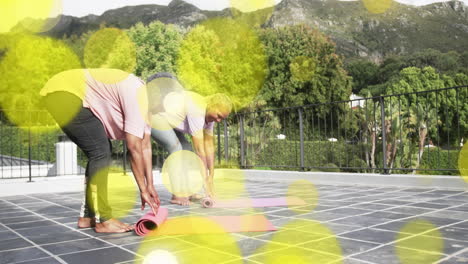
27	66
463	163
229	184
303	68
424	240
110	48
158	89
33	16
160	256
223	56
304	190
174	107
209	237
120	189
252	12
377	6
182	173
302	249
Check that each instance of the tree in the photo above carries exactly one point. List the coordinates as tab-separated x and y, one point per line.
29	62
223	56
363	72
157	47
286	48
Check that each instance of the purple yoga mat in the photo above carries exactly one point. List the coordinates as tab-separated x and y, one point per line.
252	202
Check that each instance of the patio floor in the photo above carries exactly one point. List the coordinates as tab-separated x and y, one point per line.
364	224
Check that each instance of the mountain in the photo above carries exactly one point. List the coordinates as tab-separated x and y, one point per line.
402	29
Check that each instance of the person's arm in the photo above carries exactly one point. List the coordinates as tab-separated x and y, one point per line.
137	160
209	151
147	158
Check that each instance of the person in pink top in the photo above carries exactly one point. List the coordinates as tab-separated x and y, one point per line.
93	106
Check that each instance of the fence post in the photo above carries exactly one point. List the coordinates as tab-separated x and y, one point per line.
219	143
29	154
226	142
301	136
242	147
125	158
384	138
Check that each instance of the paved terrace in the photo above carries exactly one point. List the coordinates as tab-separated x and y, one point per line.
364	222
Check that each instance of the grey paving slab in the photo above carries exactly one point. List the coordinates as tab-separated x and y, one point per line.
74	246
42	261
102	256
371	235
40	223
13	243
391	255
19	255
340	246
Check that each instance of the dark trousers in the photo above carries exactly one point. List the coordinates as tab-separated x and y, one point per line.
88	133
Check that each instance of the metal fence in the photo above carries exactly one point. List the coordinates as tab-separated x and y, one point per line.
420	132
40	151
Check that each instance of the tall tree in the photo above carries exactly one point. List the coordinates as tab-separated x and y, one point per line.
157	47
303	68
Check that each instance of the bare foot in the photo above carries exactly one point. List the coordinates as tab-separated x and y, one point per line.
86	222
184	201
113	226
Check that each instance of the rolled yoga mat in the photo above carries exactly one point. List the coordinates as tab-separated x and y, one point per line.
252	202
150	222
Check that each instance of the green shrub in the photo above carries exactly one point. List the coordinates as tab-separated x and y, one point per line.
437	158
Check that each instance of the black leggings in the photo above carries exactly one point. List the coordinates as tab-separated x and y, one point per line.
88	133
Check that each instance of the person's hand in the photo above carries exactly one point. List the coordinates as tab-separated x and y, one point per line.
154	194
151	198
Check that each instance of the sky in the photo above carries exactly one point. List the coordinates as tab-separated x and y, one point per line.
97	7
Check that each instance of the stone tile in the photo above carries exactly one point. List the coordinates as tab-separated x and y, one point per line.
102	256
42	261
321	216
74	246
15	214
430	205
22	219
371	235
349	211
251	246
427	242
19	255
13	243
162	243
203	255
292	237
5	235
389	254
339	246
294	255
42	223
372	206
362	221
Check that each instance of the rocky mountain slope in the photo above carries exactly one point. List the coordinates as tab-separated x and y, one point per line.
402	29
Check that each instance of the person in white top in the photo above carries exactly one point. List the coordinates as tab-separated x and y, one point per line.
176	112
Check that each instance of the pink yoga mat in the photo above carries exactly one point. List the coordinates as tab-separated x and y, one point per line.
213	225
150	222
253	202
